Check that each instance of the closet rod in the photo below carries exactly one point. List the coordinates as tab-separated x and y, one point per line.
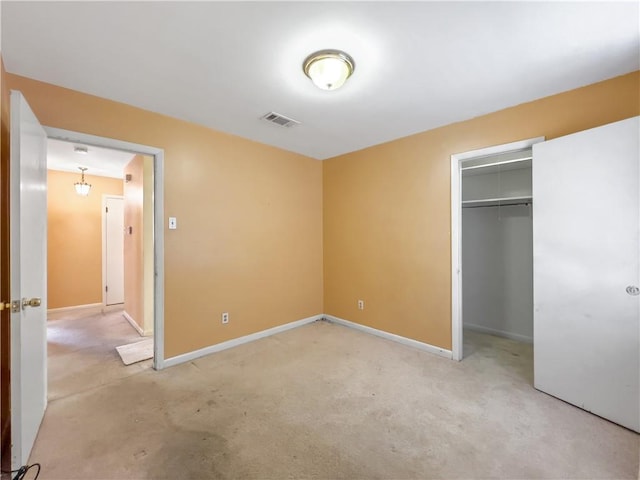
497	163
504	205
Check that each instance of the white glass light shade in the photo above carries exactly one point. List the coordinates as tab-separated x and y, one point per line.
82	188
328	69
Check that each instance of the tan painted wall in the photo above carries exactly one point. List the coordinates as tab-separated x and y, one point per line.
387	208
74	250
138	246
148	247
249	238
134	241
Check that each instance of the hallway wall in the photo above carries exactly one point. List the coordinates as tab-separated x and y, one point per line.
138	243
74	236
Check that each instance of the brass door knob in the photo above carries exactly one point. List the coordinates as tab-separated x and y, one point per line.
13	306
31	302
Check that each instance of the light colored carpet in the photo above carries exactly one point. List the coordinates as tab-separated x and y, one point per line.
136	352
82	350
327	402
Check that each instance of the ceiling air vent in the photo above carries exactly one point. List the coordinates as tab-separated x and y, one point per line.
281	120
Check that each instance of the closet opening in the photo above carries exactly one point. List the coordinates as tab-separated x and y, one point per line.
492	252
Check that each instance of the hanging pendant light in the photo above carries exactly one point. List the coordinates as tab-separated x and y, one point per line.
82	187
328	69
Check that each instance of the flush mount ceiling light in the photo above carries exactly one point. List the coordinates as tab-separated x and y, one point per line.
82	187
328	69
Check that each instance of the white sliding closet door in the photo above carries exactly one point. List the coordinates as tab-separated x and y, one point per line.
586	249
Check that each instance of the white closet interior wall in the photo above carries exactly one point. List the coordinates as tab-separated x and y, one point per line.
497	253
506	183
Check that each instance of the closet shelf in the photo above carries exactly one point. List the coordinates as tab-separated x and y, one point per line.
494	202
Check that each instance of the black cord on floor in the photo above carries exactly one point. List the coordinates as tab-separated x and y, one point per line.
21	473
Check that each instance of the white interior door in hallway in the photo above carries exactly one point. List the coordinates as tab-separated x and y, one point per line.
586	224
113	250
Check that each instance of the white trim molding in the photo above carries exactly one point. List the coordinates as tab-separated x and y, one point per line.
92	306
456	229
442	352
187	357
499	333
88	309
133	323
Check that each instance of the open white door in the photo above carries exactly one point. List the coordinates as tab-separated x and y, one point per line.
586	252
28	251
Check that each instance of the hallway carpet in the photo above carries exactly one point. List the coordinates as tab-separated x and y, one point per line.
81	350
327	402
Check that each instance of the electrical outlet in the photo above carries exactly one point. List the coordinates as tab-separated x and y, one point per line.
225	317
360	304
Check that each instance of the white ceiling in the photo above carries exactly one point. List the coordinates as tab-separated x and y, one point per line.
102	162
419	65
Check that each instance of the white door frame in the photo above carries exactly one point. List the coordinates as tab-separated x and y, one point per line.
158	220
456	228
104	244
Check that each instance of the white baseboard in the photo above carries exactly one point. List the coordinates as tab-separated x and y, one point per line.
499	333
89	308
187	357
392	336
75	307
133	323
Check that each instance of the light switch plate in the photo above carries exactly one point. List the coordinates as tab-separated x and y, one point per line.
173	223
